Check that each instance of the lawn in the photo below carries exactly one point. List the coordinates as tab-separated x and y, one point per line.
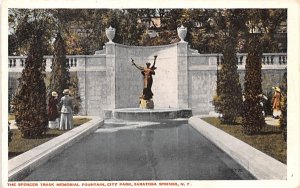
270	141
19	145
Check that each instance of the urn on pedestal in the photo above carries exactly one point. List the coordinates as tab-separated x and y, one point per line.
182	33
110	33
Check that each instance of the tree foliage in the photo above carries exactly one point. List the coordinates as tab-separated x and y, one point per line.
229	92
229	98
253	119
30	99
22	29
60	76
283	117
84	29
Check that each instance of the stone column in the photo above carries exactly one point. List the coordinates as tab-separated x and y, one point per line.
182	63
111	74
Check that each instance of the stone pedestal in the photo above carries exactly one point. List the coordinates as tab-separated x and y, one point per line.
146	104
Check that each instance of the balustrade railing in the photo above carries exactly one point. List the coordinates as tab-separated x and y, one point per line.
17	63
267	59
71	62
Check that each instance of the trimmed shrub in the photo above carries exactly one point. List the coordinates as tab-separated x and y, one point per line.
283	117
253	119
30	99
60	76
9	134
228	101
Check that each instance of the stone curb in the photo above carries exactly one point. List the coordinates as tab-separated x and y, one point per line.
260	165
22	165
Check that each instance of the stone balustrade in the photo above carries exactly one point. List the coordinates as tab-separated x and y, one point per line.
76	62
267	58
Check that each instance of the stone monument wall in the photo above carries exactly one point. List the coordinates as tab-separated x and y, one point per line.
202	81
129	80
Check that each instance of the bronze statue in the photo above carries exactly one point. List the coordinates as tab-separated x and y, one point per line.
147	72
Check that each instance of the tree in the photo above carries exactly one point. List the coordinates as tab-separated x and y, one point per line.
283	117
268	22
60	76
12	45
30	99
229	90
253	119
83	29
21	22
10	134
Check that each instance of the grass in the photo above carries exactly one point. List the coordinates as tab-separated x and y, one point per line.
270	141
19	145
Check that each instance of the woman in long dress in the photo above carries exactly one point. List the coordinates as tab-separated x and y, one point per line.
52	110
66	119
276	103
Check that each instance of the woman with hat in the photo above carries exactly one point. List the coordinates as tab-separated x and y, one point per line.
66	118
276	103
52	111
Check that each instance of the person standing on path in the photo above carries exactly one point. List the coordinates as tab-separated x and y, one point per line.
276	103
66	119
52	111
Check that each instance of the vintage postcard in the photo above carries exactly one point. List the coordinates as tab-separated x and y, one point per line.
150	94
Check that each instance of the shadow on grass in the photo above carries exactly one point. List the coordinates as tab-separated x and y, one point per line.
13	154
49	135
268	129
268	132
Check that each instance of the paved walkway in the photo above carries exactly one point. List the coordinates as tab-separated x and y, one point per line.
167	150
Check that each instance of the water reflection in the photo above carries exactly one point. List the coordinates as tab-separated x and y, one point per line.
148	161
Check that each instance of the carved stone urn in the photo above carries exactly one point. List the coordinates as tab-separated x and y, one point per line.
181	33
110	33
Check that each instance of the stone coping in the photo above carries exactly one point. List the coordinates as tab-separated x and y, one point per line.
138	114
144	47
22	165
140	110
262	166
161	46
